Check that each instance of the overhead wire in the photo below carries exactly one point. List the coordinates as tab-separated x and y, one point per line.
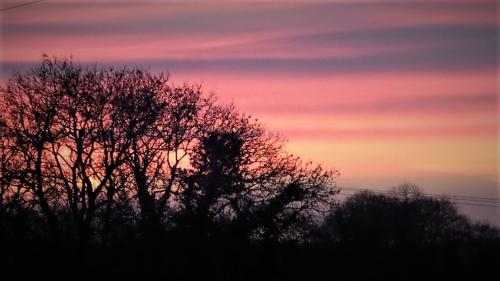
20	5
456	199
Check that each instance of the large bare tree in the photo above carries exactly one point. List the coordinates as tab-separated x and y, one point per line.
82	144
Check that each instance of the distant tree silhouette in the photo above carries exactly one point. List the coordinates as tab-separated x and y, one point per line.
406	229
402	216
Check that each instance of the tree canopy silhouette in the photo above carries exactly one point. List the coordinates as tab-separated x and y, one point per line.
401	217
81	144
420	237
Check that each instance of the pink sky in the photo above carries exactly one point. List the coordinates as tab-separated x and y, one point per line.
384	91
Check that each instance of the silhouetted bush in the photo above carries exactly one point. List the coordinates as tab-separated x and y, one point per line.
406	233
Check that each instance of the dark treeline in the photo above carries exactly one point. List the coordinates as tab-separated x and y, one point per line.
115	173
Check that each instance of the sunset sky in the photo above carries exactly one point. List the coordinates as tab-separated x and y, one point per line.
383	91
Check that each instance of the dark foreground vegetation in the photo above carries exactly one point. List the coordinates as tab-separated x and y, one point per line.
112	174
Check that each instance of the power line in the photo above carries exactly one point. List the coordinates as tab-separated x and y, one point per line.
458	200
469	200
459	197
20	5
454	201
